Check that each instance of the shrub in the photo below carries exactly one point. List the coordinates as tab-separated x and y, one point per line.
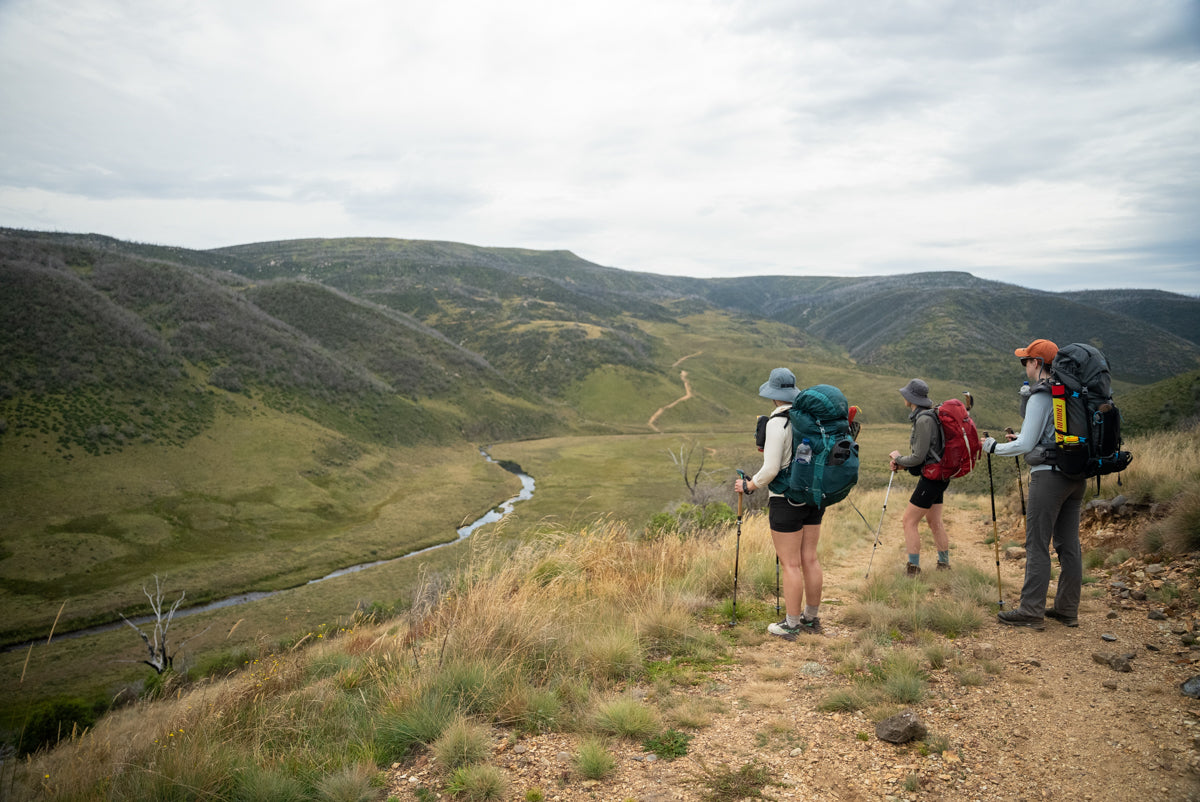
1181	528
594	761
420	723
462	743
56	719
669	745
352	784
626	718
477	783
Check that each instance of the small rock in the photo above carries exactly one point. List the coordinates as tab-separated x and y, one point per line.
900	728
1157	615
1117	662
1191	687
1155	570
986	651
1014	553
1110	684
1108	637
1137	595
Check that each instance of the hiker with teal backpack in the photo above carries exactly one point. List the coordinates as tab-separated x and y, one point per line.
795	529
810	461
925	445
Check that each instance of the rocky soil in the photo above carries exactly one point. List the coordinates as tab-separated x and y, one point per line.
1091	713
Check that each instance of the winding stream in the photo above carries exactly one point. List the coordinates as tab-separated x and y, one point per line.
463	532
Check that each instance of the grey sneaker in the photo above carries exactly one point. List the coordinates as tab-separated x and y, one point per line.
781	629
1016	618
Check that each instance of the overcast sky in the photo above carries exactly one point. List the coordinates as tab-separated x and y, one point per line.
1047	144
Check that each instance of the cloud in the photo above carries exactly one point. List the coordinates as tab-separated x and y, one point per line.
1050	141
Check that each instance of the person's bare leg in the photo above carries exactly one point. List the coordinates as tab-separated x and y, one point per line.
787	547
938	527
814	577
912	535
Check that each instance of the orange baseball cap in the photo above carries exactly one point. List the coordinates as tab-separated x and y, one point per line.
1039	349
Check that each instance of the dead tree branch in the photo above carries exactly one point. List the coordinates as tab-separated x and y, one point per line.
683	462
161	657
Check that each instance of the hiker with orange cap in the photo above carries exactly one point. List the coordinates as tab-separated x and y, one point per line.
1052	515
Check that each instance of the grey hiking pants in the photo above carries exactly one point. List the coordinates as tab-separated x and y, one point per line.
1052	517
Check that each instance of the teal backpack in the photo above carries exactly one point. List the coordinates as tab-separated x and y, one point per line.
820	415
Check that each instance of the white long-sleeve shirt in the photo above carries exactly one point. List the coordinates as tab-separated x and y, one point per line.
777	448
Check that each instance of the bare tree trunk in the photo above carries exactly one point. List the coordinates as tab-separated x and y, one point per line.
161	658
683	462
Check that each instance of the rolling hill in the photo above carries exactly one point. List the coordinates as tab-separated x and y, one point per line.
264	398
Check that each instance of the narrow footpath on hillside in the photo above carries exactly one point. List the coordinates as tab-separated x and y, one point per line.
687	392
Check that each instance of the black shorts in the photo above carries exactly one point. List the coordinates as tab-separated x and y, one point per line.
788	517
928	492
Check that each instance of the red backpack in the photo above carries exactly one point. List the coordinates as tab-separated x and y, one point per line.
961	448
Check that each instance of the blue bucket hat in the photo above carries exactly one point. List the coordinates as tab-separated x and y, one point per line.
780	387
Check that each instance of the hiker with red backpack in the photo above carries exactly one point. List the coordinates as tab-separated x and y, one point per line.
944	445
926	499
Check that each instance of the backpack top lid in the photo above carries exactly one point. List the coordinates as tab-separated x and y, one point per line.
823	402
954	408
1080	365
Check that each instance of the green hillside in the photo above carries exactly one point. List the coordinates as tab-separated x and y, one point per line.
334	384
250	418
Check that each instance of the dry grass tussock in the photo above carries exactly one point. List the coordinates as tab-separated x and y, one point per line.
535	634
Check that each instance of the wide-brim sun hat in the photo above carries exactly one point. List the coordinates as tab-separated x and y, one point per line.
1044	350
917	392
780	387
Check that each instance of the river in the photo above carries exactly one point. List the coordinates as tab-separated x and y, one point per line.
491	516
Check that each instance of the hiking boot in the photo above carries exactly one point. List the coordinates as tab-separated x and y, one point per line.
1016	618
912	570
782	629
811	625
1063	618
943	566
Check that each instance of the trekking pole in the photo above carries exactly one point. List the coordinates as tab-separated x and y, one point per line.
737	551
880	526
1020	487
995	529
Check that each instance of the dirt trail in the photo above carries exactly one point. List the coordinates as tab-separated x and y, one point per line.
1040	719
687	392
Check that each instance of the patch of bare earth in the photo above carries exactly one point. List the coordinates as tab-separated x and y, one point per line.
1051	718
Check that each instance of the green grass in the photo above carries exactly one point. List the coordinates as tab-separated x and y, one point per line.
594	761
